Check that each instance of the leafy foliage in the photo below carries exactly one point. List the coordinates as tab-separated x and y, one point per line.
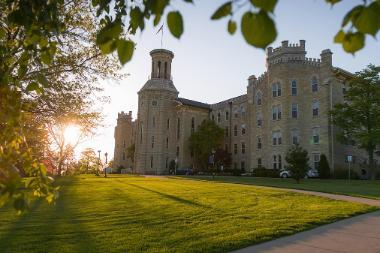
297	159
205	140
359	116
324	168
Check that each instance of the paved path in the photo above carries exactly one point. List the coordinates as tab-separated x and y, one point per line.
371	202
360	234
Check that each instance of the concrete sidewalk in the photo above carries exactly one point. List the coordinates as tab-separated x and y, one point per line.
360	234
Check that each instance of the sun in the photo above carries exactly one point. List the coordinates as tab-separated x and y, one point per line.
71	134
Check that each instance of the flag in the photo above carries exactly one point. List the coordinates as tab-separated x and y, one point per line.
161	29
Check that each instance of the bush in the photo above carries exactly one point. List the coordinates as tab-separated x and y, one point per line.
343	174
324	168
263	172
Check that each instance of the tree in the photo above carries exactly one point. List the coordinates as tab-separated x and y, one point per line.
324	168
297	160
49	67
359	116
88	160
204	141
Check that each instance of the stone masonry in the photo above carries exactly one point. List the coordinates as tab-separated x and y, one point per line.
289	103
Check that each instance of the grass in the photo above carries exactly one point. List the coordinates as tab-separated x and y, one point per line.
137	214
357	188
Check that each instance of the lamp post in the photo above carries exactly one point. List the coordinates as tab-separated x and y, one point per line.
97	173
105	169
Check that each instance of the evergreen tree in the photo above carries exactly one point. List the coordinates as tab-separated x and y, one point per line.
324	168
297	159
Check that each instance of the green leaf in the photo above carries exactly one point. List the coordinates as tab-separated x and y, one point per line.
352	15
158	6
231	27
369	19
175	23
125	50
46	57
339	37
22	70
156	20
222	11
32	86
353	42
108	47
332	2
2	33
42	80
109	33
266	5
258	29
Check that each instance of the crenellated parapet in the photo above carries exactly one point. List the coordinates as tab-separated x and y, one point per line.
295	53
123	117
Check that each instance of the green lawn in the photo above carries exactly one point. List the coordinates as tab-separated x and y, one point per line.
359	188
137	214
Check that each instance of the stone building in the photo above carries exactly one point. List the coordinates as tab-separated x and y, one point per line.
287	104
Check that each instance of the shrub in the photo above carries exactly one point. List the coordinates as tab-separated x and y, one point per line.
324	168
263	172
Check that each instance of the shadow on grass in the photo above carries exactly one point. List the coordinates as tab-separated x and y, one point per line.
48	228
171	197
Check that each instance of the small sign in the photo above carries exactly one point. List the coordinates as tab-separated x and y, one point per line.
349	158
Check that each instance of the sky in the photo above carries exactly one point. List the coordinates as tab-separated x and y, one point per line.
209	65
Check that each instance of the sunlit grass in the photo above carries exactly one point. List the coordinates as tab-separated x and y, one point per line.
137	214
358	188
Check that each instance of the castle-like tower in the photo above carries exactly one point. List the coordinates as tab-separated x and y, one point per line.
156	117
124	138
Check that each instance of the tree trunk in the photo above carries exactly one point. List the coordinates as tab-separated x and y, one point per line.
372	174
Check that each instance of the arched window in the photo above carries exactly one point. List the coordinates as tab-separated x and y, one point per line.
259	97
314	84
294	88
166	70
159	69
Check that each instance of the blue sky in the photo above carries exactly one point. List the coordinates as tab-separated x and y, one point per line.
210	65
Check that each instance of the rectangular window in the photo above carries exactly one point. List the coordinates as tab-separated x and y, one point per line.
243	148
235	130
151	162
219	117
152	141
294	135
168	124
315	108
274	112
316	135
243	129
154	121
227	115
294	88
259	143
259	163
314	84
294	110
259	118
177	152
276	138
166	162
275	162
167	142
235	148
